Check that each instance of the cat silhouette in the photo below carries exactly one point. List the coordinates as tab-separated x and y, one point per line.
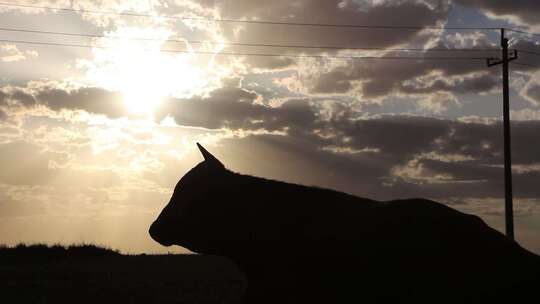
300	244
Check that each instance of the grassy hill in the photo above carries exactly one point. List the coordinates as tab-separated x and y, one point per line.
91	274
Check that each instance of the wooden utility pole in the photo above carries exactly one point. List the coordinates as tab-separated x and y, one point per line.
508	204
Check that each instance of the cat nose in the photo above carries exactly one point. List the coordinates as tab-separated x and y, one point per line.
153	231
157	234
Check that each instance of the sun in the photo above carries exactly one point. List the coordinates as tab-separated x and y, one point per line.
146	79
142	72
141	101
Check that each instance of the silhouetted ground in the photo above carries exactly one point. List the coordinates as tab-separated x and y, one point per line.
91	274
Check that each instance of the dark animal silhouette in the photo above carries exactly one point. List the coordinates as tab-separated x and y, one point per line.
301	244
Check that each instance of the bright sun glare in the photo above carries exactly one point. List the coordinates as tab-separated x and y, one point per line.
141	72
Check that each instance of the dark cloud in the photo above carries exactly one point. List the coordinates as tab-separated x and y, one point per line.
465	85
402	151
461	73
338	12
469	174
525	10
336	81
383	134
413	13
271	63
383	157
23	98
236	108
377	78
485	141
469	154
373	79
367	174
91	99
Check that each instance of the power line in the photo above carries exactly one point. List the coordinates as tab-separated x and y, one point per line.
524	32
526	64
529	52
266	22
253	54
249	44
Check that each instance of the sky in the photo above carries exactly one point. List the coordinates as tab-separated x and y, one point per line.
102	102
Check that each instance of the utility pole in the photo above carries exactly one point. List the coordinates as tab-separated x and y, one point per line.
508	204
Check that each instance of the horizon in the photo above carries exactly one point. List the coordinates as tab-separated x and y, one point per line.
102	104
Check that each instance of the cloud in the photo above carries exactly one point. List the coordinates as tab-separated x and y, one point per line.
236	108
400	155
524	114
492	206
522	12
391	155
414	13
58	96
437	102
102	20
428	167
339	125
264	63
10	53
379	78
441	155
410	13
471	83
433	85
90	99
531	91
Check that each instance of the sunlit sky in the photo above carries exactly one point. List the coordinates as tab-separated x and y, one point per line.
98	124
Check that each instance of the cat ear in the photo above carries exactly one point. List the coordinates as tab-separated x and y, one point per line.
209	158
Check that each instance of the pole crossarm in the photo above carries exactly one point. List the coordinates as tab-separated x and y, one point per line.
492	61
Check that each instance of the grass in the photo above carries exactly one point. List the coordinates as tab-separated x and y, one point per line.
43	253
87	273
